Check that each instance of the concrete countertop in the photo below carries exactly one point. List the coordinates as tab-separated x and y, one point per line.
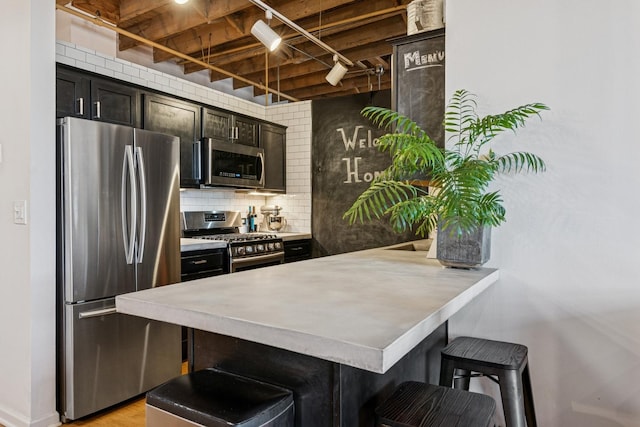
365	309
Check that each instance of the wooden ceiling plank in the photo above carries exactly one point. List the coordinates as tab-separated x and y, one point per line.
106	9
133	9
179	19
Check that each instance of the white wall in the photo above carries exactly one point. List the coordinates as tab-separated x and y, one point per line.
27	252
569	251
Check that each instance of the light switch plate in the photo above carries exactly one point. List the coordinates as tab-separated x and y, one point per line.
20	212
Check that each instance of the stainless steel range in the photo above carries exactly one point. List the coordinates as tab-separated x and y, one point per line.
245	251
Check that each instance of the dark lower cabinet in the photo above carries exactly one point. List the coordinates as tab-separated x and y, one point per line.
273	141
297	250
182	119
82	95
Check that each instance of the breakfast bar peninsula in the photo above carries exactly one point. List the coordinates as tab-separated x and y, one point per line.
340	331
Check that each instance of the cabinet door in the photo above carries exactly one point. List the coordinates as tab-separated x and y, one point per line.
114	103
216	125
72	94
246	131
182	119
273	141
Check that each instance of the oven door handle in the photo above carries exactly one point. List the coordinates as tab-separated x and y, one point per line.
257	259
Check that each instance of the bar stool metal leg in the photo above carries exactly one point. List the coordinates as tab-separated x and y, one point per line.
512	398
529	408
462	379
447	369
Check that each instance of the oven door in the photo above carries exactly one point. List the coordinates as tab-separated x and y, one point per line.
258	261
233	165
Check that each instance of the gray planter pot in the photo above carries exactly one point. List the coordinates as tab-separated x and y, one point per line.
465	250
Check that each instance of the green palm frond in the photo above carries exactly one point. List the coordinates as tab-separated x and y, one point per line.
378	198
459	176
520	161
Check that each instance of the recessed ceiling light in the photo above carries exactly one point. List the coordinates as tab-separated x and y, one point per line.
181	1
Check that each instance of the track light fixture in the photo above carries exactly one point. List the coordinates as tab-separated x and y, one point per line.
266	35
337	72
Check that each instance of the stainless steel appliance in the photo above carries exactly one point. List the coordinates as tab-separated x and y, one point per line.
244	250
118	231
234	165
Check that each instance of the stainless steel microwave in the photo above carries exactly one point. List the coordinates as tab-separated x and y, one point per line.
232	165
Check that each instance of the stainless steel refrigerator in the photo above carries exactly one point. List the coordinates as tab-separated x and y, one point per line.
118	232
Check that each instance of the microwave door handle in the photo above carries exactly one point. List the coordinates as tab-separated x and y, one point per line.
143	205
209	170
128	227
261	157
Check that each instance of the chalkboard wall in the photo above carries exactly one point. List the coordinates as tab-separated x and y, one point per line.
344	161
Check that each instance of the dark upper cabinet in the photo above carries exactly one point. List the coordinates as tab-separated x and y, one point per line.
72	94
228	127
82	95
273	141
114	103
246	131
182	119
216	124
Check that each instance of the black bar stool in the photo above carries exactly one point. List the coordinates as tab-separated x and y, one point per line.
502	362
416	404
214	398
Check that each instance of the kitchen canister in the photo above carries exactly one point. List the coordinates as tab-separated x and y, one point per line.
424	15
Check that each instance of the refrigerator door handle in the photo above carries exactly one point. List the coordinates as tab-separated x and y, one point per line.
97	313
128	236
143	206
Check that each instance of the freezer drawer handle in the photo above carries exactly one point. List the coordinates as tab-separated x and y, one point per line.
97	313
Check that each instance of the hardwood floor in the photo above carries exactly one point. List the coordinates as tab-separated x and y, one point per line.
127	414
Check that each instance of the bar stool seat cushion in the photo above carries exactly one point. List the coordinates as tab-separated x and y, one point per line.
213	398
416	404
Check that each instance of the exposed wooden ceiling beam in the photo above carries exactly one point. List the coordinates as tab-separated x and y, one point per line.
295	10
99	22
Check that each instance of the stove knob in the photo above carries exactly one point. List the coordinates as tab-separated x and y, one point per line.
240	250
248	249
260	247
278	245
270	246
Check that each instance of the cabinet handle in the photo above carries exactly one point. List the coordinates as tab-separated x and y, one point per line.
81	106
97	104
200	262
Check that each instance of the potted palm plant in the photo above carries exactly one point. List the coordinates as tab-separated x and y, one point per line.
427	186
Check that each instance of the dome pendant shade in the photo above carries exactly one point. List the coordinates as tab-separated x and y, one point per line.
266	35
